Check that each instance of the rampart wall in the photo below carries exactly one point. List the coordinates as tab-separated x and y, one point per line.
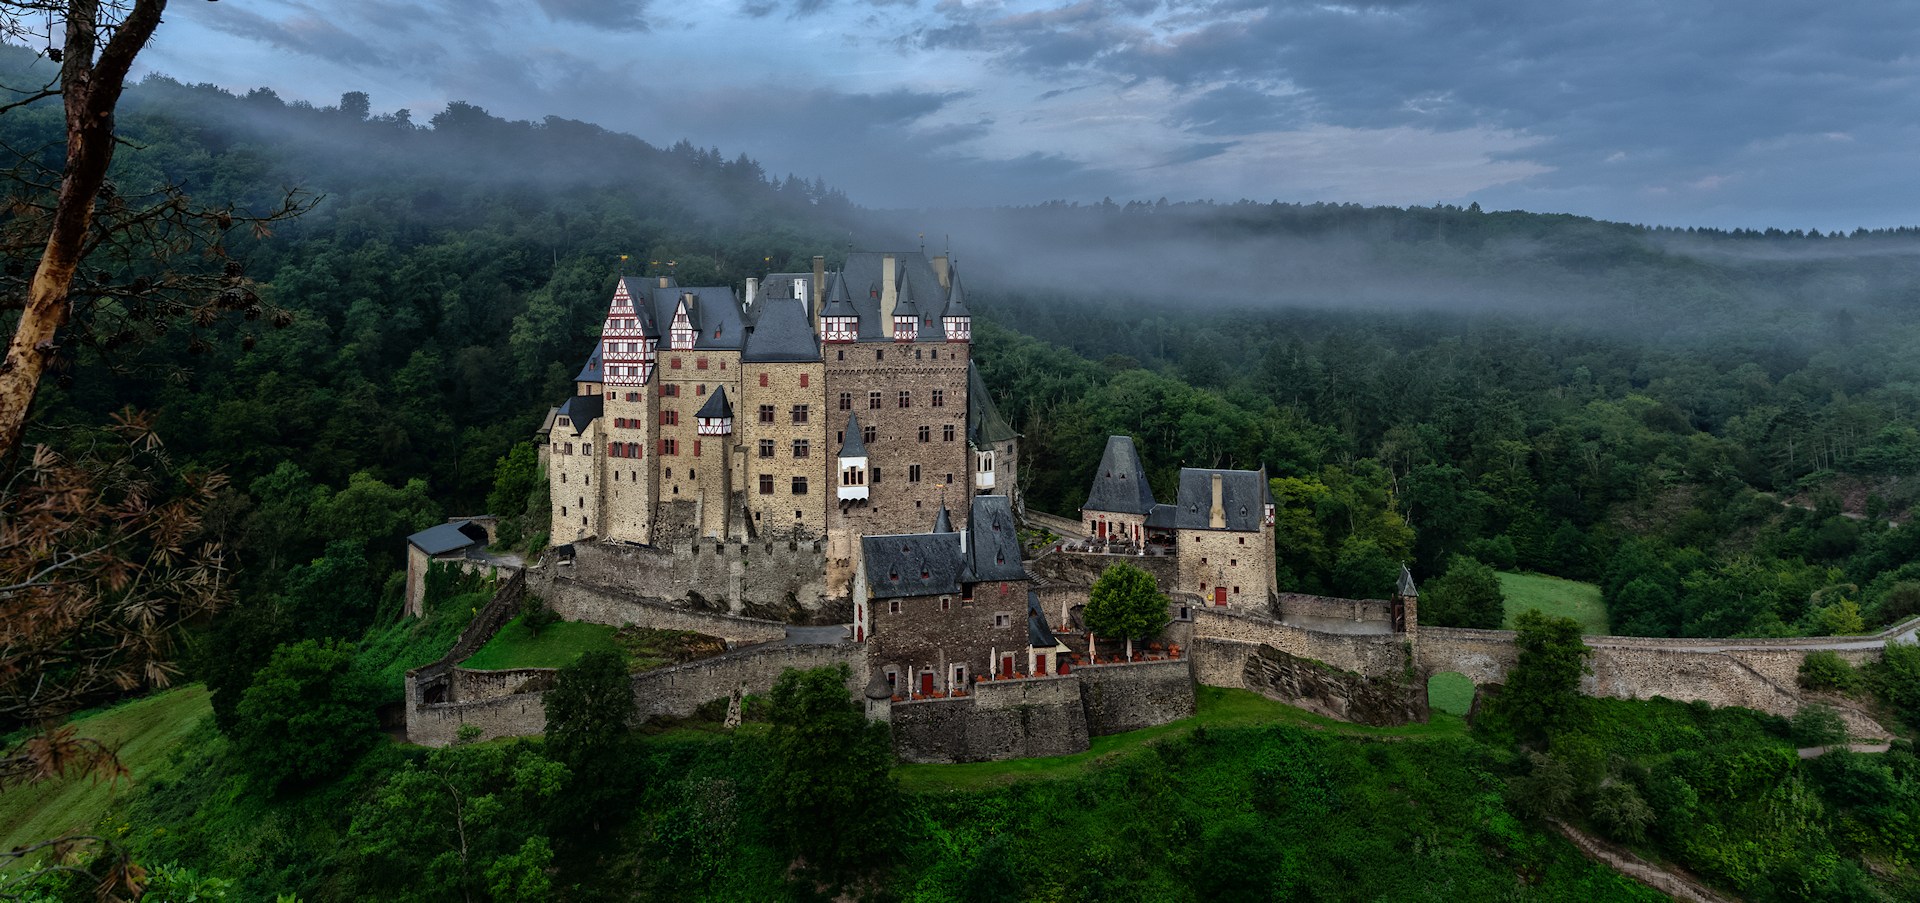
1301	605
774	580
676	691
1127	697
1370	654
1081	569
576	599
1011	719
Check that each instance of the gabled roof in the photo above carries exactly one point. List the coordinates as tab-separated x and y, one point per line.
783	331
993	541
719	323
640	289
854	445
984	424
590	372
546	426
1243	497
1039	635
582	410
716	407
450	537
1120	485
913	564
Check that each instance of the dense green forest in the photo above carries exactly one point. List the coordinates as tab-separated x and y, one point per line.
1717	428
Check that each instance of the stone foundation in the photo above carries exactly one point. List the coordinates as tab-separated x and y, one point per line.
772	580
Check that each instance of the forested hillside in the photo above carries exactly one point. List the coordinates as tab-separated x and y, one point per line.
1719	429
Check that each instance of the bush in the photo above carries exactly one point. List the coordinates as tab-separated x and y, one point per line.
1619	811
1826	670
306	717
1817	725
1896	680
1546	791
536	615
1497	552
1467	595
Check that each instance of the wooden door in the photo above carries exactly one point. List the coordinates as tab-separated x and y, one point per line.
1006	666
926	684
1040	663
1219	595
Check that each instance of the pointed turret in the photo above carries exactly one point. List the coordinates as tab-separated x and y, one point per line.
839	320
716	416
943	522
1120	485
957	320
906	313
853	464
1406	589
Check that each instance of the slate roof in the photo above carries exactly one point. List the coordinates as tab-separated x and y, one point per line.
839	299
591	370
984	424
867	268
930	564
956	296
1243	496
1039	635
1406	588
912	564
641	289
716	407
855	443
582	409
1120	485
942	522
782	331
1162	517
993	543
904	305
450	537
719	324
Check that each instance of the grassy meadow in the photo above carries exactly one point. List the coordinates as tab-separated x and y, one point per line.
1557	597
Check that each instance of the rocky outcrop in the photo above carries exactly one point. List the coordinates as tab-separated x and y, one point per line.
1329	691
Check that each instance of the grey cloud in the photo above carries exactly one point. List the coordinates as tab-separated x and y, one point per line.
1193	152
303	32
620	15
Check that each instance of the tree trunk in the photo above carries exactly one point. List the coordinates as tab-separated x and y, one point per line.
90	90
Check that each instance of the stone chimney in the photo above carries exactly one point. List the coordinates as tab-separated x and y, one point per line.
1217	517
889	296
940	270
753	291
663	282
817	296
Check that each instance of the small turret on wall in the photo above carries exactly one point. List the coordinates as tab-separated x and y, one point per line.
1406	605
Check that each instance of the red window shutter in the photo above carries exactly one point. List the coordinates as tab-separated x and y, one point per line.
696	448
763	381
803	380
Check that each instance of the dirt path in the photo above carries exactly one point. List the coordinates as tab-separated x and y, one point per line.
1815	752
1677	885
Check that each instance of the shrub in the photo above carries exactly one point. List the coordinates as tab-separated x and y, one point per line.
1826	670
1467	595
308	714
1896	679
1817	725
1546	791
1619	811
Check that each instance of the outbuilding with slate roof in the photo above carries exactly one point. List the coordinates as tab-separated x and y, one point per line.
941	608
1223	537
463	542
1119	501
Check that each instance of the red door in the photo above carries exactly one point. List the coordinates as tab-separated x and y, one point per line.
1219	595
1102	528
1006	666
1040	663
926	684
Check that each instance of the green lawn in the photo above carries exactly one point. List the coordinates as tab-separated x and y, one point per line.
145	731
1450	692
556	646
1554	596
1217	708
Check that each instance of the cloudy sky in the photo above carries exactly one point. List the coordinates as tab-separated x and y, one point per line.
1680	112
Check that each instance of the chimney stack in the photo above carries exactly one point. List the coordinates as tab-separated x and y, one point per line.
1217	518
889	296
819	292
663	282
940	271
753	291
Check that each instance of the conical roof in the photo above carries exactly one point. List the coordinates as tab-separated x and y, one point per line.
1406	589
956	296
1120	485
853	446
943	522
716	407
839	301
905	306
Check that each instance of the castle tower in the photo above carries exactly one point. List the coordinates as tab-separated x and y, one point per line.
1120	501
706	330
629	343
787	462
1406	605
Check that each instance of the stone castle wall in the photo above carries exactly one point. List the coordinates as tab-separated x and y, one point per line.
1330	691
774	580
576	600
1002	720
1372	655
1127	697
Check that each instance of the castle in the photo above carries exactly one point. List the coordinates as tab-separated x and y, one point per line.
800	456
822	406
